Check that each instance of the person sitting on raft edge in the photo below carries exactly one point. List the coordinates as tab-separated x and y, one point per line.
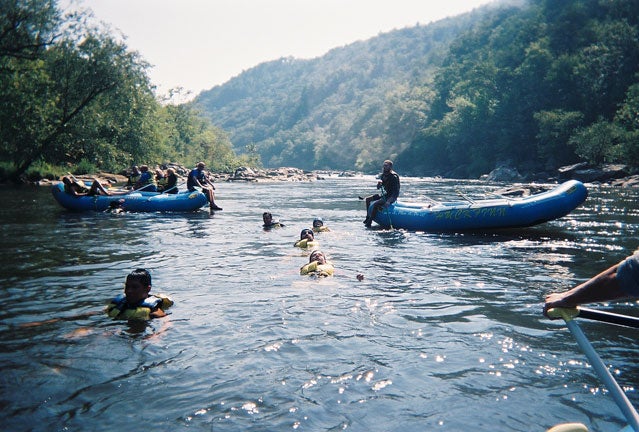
269	223
389	185
307	239
136	303
318	226
197	177
317	265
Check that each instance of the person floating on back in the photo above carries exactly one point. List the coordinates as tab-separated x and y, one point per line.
269	223
307	240
136	303
389	185
318	226
317	265
198	178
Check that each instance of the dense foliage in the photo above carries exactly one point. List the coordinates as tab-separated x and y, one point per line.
537	86
72	95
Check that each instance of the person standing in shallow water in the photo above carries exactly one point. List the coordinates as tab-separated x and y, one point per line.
197	177
389	185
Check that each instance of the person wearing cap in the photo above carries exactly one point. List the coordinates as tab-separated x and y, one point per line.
317	265
307	240
269	223
318	226
197	177
389	185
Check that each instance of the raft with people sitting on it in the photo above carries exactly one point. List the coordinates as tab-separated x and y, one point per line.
135	201
497	213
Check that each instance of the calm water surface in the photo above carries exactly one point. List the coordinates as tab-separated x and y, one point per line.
444	333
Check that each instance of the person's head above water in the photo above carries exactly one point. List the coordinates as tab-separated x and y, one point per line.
267	217
307	234
137	286
317	256
317	223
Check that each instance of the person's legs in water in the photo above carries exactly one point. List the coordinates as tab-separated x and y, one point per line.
377	205
211	196
369	199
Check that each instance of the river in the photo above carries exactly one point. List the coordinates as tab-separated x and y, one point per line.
445	332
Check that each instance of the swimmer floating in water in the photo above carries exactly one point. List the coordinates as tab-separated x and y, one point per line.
307	240
318	226
269	223
136	303
317	265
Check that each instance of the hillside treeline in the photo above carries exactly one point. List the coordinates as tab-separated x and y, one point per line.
537	85
73	96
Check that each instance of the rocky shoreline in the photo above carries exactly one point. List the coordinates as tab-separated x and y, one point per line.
611	174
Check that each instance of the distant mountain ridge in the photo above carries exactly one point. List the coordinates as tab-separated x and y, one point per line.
330	111
532	85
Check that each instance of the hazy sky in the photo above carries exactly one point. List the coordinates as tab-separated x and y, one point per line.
198	44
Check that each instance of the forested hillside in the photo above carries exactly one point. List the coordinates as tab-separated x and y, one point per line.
335	111
537	85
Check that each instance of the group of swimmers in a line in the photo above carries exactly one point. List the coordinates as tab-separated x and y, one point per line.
317	264
136	303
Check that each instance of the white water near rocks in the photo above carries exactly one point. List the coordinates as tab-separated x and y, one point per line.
444	333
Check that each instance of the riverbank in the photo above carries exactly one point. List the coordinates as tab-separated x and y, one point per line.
609	174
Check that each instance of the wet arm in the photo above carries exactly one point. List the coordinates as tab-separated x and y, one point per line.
601	288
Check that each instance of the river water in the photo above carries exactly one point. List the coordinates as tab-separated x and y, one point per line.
444	333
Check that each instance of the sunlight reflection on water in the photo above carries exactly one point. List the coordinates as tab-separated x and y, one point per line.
445	330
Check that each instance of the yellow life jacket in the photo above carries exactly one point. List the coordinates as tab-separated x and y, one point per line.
119	309
317	269
305	244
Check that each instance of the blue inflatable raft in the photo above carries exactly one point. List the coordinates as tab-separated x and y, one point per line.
132	202
485	214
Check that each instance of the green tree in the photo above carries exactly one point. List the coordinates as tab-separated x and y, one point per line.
555	129
593	143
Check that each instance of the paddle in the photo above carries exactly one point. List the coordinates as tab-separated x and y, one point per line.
609	317
139	189
171	188
464	196
620	398
390	222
